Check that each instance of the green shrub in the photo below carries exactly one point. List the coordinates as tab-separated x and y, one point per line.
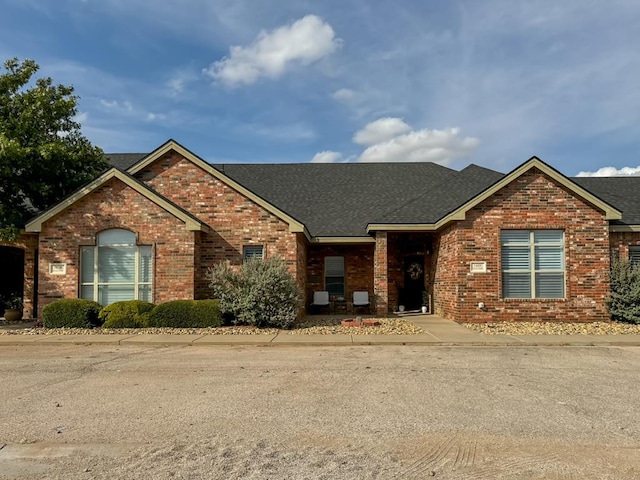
186	314
624	300
71	313
261	293
127	314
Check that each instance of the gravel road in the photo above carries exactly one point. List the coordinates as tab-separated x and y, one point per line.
97	412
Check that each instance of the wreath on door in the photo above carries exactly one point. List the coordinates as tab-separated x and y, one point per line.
414	271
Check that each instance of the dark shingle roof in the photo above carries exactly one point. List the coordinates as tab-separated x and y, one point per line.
341	199
620	192
338	199
435	203
122	161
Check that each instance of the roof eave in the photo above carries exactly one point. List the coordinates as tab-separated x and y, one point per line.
343	240
624	228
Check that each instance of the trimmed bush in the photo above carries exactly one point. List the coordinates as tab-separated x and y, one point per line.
624	300
71	313
261	293
186	314
127	314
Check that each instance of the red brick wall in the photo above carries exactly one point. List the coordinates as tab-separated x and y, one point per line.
234	219
381	273
446	272
533	201
115	205
358	263
28	243
621	241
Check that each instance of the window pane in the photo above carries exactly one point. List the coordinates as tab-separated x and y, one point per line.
116	264
116	236
634	255
86	292
252	251
549	258
515	258
516	285
335	285
515	236
549	285
334	266
548	236
144	269
144	293
108	294
86	265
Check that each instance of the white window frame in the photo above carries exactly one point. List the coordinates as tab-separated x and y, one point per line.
96	284
532	271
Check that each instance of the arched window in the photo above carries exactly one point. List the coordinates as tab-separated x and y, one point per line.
116	268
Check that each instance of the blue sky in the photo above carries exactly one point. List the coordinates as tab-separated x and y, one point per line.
490	82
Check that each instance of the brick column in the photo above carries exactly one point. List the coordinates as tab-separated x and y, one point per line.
380	274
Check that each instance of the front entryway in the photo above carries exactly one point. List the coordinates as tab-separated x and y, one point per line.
411	293
11	274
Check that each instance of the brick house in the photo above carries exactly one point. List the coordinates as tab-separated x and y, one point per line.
482	245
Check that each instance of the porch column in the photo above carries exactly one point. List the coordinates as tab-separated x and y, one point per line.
381	275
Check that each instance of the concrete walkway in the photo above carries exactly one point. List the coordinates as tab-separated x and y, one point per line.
438	331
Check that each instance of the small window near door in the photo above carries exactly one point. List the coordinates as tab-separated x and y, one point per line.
634	254
252	251
334	276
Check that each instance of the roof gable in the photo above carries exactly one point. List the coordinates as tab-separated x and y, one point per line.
460	211
611	213
191	222
172	145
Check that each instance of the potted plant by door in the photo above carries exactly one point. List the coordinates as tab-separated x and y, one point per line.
425	302
13	308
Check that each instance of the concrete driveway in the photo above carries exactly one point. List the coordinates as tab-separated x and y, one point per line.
73	411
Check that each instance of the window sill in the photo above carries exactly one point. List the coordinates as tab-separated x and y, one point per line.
538	300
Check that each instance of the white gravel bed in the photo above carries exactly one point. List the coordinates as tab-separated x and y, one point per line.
322	325
554	328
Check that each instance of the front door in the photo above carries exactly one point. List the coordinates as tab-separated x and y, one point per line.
413	282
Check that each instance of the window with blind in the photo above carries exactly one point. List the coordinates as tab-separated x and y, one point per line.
334	275
634	254
533	263
252	251
116	269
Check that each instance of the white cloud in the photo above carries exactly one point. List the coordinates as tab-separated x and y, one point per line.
326	157
380	131
439	146
176	85
115	105
155	116
304	41
612	172
343	94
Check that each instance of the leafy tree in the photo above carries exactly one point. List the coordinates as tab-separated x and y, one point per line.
43	155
